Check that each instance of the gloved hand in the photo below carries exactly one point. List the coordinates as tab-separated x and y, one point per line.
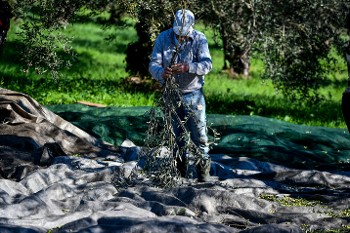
167	73
180	68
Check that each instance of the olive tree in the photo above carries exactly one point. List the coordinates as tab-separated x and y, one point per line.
231	20
295	38
289	38
152	17
41	22
234	24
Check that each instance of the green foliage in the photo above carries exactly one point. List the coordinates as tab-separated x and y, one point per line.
292	41
289	201
343	229
234	24
42	54
296	36
97	74
148	26
42	23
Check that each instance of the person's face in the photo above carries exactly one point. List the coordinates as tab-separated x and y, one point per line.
181	38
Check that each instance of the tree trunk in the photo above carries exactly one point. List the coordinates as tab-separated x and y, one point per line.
346	93
5	17
236	59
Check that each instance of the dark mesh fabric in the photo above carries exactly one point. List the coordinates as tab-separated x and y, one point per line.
257	137
74	168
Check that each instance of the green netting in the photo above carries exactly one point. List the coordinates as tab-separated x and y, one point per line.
265	139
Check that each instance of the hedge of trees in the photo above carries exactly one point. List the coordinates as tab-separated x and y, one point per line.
292	37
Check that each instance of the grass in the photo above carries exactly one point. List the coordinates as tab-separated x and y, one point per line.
289	201
97	75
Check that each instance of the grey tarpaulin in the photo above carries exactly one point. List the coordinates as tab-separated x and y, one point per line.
60	167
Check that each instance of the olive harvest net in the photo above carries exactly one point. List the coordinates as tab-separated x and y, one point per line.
265	139
77	168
